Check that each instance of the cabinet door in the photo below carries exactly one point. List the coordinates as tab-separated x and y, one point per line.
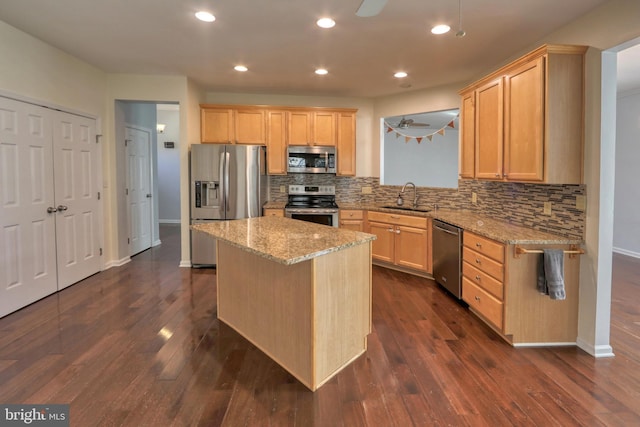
324	128
272	212
216	125
346	145
524	122
489	105
276	143
411	247
382	247
467	136
250	126
299	127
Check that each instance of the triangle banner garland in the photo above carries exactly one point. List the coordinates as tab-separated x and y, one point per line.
407	138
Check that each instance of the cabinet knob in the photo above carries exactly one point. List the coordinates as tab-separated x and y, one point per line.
398	231
478	261
478	278
390	230
479	245
477	298
498	175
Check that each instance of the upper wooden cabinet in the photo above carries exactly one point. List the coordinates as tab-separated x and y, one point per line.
276	142
312	128
232	125
346	143
527	119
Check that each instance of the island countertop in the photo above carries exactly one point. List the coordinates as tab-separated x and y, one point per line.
283	240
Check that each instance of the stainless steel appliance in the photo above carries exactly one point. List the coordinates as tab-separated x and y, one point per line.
447	256
301	159
227	182
313	203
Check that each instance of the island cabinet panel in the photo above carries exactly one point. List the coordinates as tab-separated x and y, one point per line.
311	317
528	119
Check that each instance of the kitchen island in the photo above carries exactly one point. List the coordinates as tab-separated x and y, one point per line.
299	291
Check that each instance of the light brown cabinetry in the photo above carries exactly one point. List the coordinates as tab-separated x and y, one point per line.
352	219
467	135
272	212
346	143
402	240
483	277
500	287
229	125
276	142
312	128
527	119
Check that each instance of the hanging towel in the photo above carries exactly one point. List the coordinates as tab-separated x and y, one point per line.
554	273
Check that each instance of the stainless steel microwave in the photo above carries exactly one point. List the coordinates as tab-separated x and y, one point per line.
302	159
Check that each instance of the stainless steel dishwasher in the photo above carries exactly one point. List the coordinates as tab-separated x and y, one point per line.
447	256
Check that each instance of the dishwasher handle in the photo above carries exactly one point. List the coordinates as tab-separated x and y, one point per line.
455	233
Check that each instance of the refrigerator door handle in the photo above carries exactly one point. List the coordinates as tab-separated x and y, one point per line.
223	184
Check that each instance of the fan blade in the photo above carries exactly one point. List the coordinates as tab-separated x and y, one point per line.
370	8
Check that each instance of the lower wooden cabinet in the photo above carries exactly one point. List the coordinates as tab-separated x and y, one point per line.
402	240
352	219
500	286
272	212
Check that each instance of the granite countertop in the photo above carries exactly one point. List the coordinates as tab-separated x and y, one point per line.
500	231
283	240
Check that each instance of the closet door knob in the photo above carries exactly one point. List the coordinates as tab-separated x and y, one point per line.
62	208
51	209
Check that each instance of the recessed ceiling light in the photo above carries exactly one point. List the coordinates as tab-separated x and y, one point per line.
326	23
321	71
400	75
205	16
440	29
240	68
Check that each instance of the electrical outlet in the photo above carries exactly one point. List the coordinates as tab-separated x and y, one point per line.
367	190
283	189
547	208
581	203
474	198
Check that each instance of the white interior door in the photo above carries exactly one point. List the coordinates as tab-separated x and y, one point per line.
138	153
75	154
27	234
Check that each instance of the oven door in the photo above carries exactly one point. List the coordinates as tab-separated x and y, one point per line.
319	216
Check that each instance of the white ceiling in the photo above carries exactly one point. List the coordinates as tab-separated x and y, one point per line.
280	43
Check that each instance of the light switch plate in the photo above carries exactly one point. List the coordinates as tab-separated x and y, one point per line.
547	208
581	203
474	198
367	190
283	189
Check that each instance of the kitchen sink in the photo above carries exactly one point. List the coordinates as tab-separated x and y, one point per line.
406	208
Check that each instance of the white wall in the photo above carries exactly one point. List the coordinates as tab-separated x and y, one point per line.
169	167
626	228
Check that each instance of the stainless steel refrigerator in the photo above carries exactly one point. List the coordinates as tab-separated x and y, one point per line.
227	182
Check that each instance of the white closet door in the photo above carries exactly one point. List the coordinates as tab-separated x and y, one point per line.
27	234
76	192
139	188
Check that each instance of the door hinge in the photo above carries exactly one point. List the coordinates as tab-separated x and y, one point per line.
126	191
98	138
128	241
100	251
126	142
98	195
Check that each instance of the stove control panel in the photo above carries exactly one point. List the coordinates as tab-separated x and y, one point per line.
312	189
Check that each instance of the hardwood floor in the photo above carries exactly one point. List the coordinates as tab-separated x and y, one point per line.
140	345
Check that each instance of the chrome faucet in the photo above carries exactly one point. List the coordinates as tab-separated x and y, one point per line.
400	200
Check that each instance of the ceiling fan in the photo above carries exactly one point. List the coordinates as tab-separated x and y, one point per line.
410	123
370	7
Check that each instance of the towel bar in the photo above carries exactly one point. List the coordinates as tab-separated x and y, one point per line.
575	250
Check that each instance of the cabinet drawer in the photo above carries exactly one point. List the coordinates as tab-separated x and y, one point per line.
410	221
485	246
482	302
483	263
482	279
351	214
273	212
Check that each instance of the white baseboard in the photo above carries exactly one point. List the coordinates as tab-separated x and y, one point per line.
626	252
185	263
117	263
169	221
597	351
156	243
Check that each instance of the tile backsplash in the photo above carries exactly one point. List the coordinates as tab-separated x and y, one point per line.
517	203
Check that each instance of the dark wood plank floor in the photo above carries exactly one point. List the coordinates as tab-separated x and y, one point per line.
140	345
